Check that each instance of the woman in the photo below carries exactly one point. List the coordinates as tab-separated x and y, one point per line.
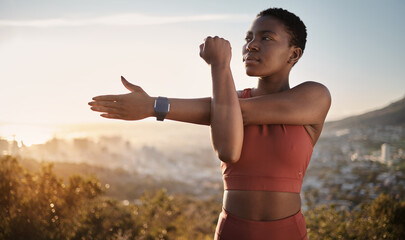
264	136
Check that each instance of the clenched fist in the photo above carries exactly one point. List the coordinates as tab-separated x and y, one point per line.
216	51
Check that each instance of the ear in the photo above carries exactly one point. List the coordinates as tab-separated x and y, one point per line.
295	55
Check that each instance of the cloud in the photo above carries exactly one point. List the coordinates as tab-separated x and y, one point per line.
133	19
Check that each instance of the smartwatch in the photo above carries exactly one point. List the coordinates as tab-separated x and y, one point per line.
162	107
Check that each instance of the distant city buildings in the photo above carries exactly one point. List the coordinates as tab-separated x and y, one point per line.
348	167
355	165
386	154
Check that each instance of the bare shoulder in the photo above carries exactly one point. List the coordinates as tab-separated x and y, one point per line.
314	88
318	99
315	94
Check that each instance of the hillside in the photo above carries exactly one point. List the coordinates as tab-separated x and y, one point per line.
393	114
124	184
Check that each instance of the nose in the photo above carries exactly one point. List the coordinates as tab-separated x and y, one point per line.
252	46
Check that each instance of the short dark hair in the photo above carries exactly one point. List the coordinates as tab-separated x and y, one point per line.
294	26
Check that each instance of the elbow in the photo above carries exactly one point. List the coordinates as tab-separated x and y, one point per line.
245	116
229	157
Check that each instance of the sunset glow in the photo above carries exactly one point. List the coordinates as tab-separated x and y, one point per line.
27	134
54	58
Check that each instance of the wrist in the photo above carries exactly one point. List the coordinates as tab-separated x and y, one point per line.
220	65
220	73
151	107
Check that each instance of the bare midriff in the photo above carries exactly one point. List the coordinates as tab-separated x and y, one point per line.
261	205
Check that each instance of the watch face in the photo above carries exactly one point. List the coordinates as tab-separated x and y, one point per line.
162	104
162	107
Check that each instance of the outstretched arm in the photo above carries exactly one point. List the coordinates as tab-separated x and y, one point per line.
138	105
305	104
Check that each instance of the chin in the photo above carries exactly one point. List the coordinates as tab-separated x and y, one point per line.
252	73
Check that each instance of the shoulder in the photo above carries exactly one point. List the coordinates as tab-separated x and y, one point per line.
313	86
318	98
314	90
315	96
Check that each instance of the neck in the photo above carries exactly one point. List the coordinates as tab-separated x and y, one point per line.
268	85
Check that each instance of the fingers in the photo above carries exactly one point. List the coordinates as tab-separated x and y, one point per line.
112	116
105	104
201	48
131	87
120	106
108	98
212	42
106	109
216	50
210	39
202	55
109	109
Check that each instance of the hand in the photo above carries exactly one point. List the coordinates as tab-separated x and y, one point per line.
216	51
132	106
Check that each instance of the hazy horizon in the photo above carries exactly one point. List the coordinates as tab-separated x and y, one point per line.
38	133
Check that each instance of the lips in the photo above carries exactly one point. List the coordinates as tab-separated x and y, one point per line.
248	59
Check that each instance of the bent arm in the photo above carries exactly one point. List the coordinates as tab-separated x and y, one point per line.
226	116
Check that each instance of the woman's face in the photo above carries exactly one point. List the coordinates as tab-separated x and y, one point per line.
267	49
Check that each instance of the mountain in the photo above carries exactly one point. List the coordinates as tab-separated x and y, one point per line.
393	114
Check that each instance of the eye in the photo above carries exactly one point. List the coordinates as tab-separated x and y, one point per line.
267	38
248	38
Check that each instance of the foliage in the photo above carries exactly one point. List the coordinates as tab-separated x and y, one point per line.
40	206
384	218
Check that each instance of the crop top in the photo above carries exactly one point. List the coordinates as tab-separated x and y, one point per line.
274	157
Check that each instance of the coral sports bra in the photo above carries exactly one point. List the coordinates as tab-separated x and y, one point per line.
274	158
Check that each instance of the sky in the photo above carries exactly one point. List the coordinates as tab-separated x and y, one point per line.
56	55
